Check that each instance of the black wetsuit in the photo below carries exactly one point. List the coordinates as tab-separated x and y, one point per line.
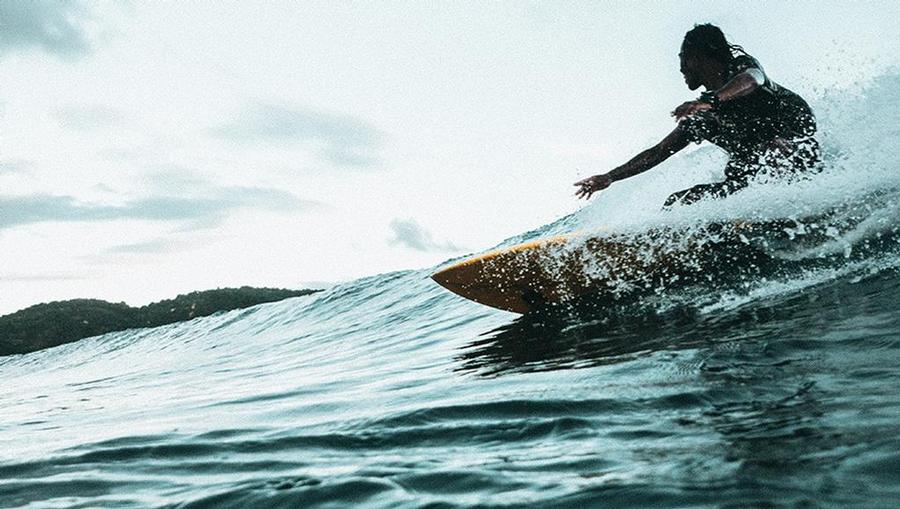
745	127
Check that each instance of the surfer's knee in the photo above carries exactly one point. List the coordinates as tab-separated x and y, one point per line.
796	160
675	198
704	191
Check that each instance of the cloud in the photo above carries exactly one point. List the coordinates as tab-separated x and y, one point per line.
57	27
149	247
90	117
15	166
338	139
30	278
407	232
204	211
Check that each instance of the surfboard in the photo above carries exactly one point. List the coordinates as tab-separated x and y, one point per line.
560	270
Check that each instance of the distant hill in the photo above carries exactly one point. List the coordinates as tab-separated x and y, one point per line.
55	323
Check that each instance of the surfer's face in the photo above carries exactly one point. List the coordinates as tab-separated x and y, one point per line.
691	70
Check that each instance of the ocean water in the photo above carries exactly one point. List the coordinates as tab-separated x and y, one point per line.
775	382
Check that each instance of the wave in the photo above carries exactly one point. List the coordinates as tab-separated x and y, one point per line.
772	384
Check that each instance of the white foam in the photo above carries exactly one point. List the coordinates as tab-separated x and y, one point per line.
859	132
854	200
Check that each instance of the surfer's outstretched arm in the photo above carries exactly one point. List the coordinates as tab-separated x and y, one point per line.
673	142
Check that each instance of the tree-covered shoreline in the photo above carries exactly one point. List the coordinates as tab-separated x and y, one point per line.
56	323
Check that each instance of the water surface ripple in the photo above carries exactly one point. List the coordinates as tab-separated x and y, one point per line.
409	397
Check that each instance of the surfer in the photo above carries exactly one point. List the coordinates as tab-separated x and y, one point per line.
763	126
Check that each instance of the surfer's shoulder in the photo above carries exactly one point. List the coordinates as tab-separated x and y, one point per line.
745	63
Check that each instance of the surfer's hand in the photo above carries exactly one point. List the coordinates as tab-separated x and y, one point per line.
591	185
689	108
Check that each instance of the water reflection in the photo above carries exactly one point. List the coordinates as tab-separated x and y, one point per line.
578	339
766	417
548	342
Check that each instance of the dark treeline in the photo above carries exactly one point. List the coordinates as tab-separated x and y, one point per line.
45	325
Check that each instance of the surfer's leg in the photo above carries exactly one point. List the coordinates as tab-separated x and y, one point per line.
797	159
704	191
715	190
691	195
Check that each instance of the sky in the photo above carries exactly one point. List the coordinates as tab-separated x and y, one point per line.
149	149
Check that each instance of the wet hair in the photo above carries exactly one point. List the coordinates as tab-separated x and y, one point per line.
709	41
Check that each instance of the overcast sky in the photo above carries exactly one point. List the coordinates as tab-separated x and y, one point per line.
153	148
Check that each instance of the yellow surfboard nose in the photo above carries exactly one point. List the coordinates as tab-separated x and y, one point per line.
518	278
